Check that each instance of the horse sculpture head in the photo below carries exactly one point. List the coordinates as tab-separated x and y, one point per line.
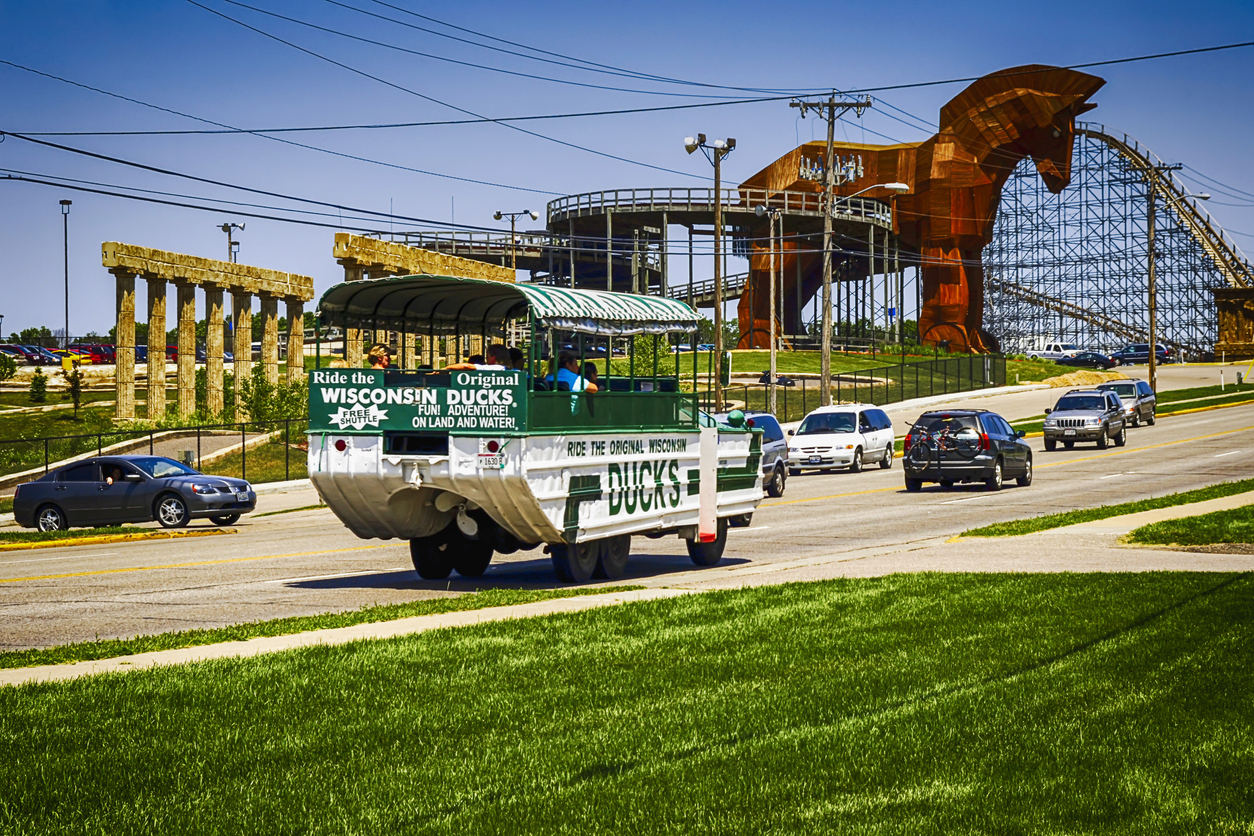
1022	112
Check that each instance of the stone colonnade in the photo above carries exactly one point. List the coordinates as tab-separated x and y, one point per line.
373	258
157	267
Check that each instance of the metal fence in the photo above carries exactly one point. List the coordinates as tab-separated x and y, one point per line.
879	386
271	450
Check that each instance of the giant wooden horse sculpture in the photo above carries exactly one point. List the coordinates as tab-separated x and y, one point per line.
955	181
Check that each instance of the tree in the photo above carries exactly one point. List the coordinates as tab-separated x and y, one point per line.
8	367
38	387
74	378
36	336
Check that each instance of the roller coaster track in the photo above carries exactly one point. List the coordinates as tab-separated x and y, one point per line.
1229	261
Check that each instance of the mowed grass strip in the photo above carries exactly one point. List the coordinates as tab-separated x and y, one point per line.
1034	704
113	648
25	535
1234	526
1016	527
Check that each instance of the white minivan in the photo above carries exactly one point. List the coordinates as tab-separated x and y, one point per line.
841	436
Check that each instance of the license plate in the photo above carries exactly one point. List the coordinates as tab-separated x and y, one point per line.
491	461
1068	432
242	496
816	460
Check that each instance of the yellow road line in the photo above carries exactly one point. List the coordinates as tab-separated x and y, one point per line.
112	538
196	563
1038	467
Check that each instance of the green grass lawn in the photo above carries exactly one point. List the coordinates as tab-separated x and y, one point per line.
1192	393
55	397
1235	526
1033	704
1048	521
6	505
264	463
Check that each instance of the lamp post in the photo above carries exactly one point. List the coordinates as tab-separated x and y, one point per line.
65	226
232	246
720	148
774	215
513	219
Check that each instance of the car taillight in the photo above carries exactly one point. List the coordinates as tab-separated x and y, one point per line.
984	445
905	445
16	491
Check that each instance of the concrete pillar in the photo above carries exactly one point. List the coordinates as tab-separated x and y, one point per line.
125	409
242	325
213	349
295	339
187	348
156	349
270	337
410	351
352	336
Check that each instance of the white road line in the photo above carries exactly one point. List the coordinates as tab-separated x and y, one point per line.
49	559
341	575
966	499
1112	475
1230	453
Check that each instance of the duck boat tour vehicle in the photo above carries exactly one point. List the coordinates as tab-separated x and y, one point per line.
472	460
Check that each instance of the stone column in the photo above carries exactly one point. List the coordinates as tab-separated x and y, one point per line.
270	337
125	409
242	325
213	349
352	336
295	339
187	348
410	350
156	349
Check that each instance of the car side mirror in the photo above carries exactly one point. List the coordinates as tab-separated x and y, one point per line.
791	432
133	477
1020	433
1048	410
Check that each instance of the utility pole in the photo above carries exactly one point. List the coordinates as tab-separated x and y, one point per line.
829	181
232	246
1151	178
721	148
513	241
65	225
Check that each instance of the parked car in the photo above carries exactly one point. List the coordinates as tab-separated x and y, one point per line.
47	357
841	436
1139	401
15	353
1136	353
110	490
780	380
1053	351
1086	415
1088	360
94	354
965	445
774	449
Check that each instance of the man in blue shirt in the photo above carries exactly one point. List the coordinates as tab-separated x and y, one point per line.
568	373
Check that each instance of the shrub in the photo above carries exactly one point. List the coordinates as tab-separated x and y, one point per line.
74	379
38	387
8	367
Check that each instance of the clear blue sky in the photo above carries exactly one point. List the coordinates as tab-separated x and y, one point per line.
1193	109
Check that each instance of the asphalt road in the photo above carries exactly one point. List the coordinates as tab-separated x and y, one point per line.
306	562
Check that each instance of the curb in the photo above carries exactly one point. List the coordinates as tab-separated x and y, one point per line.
114	538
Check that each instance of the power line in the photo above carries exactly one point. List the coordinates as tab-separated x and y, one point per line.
434	57
230	129
434	100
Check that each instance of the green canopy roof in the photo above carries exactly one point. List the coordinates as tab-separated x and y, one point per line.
447	304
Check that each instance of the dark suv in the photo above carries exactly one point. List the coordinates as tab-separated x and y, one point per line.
1139	401
1086	415
965	445
1139	353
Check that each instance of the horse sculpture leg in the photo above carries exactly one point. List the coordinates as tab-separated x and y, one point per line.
953	300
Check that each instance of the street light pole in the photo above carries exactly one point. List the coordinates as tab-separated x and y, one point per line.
513	218
65	226
720	148
232	246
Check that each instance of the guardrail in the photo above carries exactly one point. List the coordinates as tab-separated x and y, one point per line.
703	200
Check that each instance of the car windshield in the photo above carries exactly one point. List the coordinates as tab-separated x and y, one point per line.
1081	402
827	422
932	424
158	467
1125	390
